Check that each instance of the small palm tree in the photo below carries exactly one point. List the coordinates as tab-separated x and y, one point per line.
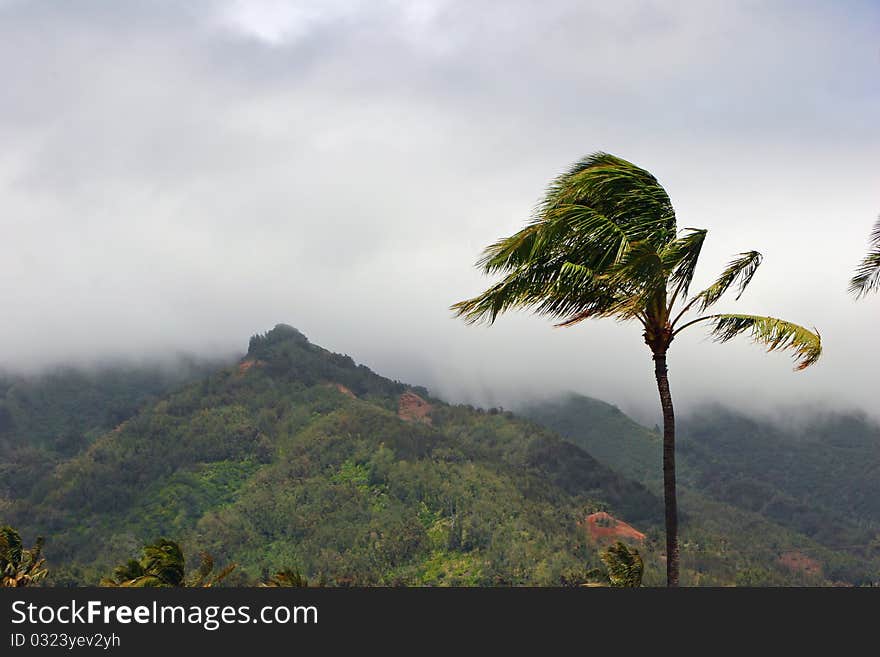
163	565
867	276
604	243
19	566
287	578
624	564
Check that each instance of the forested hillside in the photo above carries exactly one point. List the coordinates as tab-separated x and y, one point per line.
817	484
299	458
294	457
52	416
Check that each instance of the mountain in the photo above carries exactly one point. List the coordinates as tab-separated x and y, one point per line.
298	457
813	490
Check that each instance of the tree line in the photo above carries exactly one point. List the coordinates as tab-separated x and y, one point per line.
162	564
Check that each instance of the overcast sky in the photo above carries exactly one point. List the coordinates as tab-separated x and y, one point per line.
178	176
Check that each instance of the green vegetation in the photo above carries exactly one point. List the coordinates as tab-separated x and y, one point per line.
755	492
19	566
604	243
163	565
47	419
624	564
287	578
269	465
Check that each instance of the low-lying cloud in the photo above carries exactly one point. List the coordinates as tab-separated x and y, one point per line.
178	177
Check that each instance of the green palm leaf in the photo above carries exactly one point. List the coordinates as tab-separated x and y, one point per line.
867	276
741	270
11	548
775	334
680	257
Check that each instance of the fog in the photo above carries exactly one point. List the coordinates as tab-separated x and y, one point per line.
176	179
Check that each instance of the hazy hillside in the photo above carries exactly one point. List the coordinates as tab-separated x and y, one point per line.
52	416
299	457
817	484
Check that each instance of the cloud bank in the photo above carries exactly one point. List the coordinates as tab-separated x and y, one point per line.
178	177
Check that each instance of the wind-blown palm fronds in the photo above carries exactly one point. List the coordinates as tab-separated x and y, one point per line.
624	564
867	276
19	566
741	270
163	565
287	578
775	334
603	243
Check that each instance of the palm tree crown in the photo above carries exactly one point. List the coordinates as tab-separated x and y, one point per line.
604	243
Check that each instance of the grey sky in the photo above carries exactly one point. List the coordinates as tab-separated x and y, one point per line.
178	179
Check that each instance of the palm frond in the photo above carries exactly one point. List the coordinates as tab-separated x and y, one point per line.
557	288
577	232
775	334
164	560
11	547
509	252
288	578
19	566
867	276
219	577
680	257
740	270
206	567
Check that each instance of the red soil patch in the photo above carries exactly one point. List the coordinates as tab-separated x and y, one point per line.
605	528
245	365
800	562
414	408
341	388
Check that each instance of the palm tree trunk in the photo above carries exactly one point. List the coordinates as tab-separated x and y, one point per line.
669	495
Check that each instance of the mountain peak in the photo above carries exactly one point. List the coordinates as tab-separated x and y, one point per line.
280	334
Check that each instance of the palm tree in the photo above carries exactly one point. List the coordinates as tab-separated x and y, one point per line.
604	243
287	578
19	566
163	565
867	276
624	564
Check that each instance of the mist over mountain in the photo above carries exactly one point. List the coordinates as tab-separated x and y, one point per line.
204	170
296	456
